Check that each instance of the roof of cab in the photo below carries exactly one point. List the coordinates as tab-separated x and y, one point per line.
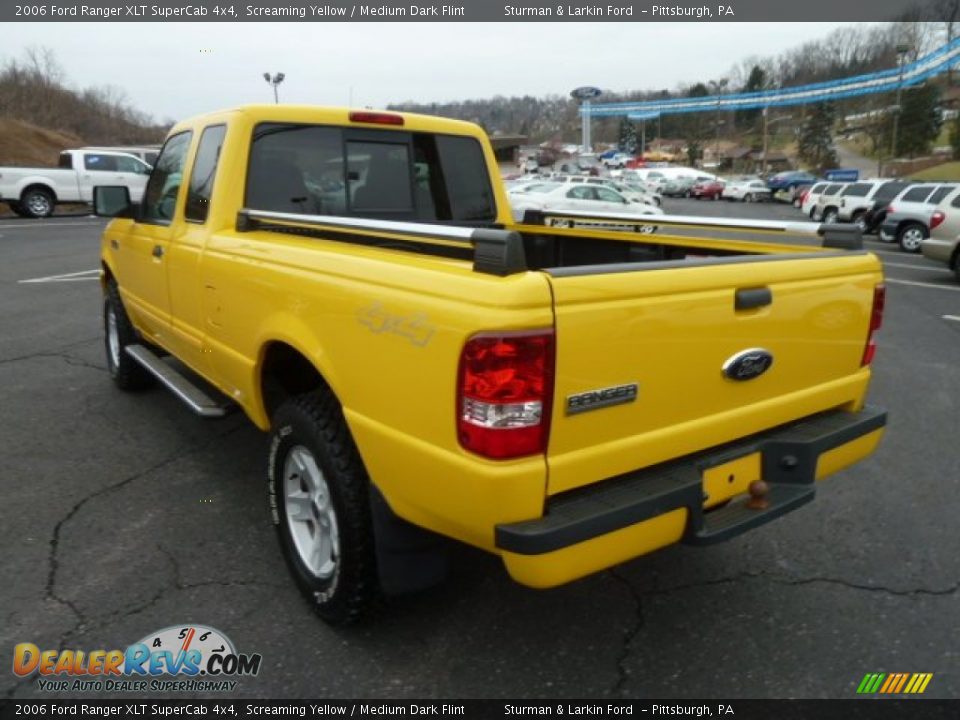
339	116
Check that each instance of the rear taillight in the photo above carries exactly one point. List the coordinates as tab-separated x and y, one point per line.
803	196
890	210
504	394
936	219
876	320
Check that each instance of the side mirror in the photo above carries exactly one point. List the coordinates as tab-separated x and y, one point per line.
112	201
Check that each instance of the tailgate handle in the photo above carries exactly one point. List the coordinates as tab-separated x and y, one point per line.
747	298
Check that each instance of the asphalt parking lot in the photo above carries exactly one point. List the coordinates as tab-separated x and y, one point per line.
124	514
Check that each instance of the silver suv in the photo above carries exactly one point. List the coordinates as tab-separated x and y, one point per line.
859	197
943	244
908	215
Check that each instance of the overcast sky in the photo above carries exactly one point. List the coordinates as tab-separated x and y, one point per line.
174	70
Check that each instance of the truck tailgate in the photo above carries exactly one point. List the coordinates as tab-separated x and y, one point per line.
670	328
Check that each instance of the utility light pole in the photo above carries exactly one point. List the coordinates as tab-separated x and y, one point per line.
902	50
766	123
719	86
275	80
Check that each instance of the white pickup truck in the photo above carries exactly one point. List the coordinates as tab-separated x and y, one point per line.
34	192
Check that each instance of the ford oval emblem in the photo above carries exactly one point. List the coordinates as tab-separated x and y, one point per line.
748	364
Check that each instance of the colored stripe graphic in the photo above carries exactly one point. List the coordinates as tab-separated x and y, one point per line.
894	683
903	681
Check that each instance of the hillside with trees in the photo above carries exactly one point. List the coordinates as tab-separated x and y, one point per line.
41	115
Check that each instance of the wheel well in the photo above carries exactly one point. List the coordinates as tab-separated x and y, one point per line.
38	186
284	373
106	276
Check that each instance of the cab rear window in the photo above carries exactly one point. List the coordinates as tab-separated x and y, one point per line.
322	170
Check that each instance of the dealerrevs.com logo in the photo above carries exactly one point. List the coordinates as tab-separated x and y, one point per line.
185	658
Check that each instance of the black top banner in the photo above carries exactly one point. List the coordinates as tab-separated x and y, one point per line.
465	11
484	709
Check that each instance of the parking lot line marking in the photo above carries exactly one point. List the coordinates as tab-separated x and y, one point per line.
955	288
916	267
66	277
952	317
896	253
45	225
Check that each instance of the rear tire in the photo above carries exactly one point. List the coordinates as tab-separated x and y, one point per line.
956	265
37	203
319	499
127	373
860	220
911	236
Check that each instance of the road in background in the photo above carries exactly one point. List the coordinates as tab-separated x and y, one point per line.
125	513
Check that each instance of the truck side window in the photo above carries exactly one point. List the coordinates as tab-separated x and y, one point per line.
160	197
203	173
92	161
130	165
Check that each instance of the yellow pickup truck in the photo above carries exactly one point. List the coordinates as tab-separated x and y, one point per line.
430	368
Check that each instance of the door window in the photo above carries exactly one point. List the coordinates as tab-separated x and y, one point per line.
581	193
939	194
607	195
202	175
160	197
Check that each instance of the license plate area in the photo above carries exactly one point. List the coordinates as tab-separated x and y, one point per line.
726	481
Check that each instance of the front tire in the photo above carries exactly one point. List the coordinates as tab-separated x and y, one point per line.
319	498
127	373
829	217
37	203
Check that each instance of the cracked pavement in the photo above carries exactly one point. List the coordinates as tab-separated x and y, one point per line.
124	514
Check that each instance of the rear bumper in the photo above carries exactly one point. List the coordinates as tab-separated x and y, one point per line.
592	528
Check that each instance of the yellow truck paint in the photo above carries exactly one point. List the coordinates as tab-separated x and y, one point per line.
384	327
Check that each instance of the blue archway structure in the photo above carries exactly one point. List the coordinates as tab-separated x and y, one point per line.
910	74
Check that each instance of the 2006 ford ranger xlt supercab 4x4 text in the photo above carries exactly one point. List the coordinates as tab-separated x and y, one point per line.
566	398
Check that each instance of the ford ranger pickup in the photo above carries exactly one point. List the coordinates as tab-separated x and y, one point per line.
428	368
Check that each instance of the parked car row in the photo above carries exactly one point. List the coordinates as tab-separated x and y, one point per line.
899	210
576	195
918	217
